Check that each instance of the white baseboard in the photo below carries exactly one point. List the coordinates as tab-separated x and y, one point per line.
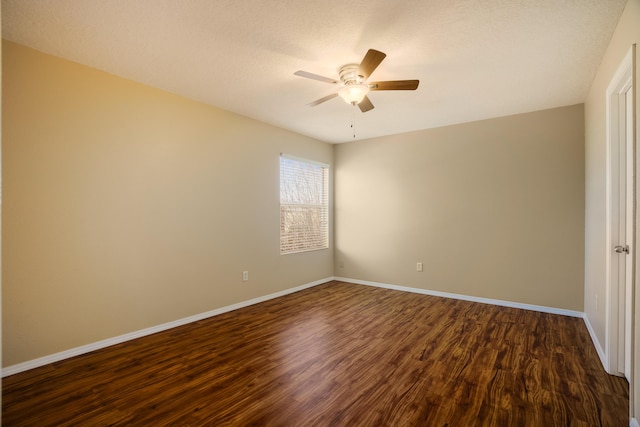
25	366
502	303
41	361
596	344
634	423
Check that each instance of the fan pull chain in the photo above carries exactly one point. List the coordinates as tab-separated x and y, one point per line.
353	120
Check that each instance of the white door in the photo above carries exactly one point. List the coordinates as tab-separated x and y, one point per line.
620	220
629	230
624	237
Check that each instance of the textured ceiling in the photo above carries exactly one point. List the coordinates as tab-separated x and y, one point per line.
475	59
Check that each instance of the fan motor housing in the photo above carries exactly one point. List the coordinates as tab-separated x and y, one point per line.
350	74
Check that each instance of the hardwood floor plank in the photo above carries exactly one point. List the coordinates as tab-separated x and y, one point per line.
335	355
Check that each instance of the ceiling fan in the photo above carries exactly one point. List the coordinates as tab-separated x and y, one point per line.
353	82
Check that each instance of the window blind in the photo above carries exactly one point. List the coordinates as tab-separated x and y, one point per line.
304	205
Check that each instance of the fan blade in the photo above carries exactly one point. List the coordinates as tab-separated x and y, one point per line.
365	105
315	77
321	100
395	85
370	62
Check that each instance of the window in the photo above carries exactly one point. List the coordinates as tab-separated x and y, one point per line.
304	205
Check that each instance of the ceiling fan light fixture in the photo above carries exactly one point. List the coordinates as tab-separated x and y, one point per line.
354	93
353	86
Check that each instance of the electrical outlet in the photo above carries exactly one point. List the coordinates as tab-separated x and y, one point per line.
419	266
245	276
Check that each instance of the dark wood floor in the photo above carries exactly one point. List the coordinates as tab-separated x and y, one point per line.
335	355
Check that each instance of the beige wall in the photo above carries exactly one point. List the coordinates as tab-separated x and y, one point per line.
627	33
126	207
493	209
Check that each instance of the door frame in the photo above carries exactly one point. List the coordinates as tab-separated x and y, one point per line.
615	288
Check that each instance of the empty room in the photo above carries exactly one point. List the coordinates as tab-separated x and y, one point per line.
415	213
